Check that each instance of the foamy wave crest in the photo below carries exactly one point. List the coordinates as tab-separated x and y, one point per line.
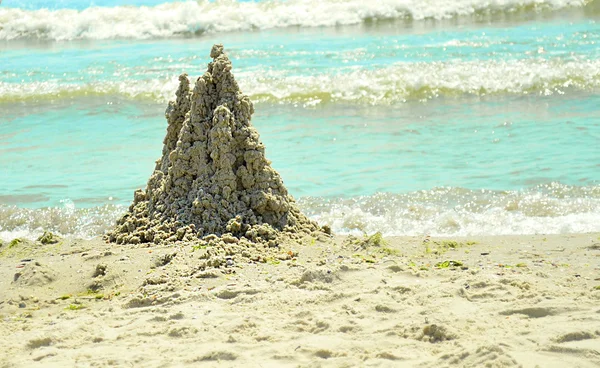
430	80
383	86
197	17
546	209
67	220
160	90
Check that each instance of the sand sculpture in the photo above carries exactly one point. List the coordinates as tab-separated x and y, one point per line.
213	177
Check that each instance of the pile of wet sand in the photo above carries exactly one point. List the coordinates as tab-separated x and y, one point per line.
213	182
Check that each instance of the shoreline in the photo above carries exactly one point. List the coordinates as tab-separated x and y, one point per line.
453	126
528	300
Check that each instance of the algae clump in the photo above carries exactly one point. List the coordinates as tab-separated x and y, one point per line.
449	264
213	176
48	238
13	243
375	240
75	307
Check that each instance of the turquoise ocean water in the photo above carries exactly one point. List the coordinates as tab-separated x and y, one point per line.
440	117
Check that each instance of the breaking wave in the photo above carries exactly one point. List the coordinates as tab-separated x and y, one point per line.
544	209
388	85
193	18
30	223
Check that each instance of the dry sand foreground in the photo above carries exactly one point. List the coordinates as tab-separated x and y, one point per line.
530	301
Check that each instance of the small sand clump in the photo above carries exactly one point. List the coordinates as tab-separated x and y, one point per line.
213	177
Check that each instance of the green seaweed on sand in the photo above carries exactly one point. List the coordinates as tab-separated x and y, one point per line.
65	297
374	244
448	264
75	307
48	238
367	241
376	240
13	243
414	267
449	244
389	251
201	246
89	292
273	261
443	246
365	258
18	247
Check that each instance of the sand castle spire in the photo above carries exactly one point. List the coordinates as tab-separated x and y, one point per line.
213	177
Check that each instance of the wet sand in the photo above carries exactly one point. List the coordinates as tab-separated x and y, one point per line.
505	301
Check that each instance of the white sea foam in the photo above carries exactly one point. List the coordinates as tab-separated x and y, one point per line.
429	80
388	85
198	17
66	220
544	209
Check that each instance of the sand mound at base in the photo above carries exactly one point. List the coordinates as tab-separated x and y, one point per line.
213	177
34	274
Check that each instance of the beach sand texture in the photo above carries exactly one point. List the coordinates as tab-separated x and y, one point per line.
508	301
219	267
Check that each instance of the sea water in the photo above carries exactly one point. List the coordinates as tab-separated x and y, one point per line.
407	117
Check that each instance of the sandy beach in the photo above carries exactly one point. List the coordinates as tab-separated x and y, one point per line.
168	237
528	301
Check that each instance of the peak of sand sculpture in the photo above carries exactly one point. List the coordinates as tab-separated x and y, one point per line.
213	177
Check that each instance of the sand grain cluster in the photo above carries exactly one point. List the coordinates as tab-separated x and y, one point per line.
213	177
